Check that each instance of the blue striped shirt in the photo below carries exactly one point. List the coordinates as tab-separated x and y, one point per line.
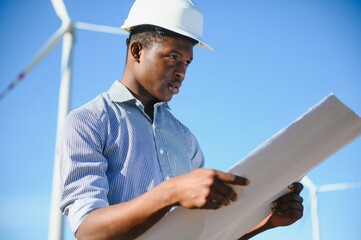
110	151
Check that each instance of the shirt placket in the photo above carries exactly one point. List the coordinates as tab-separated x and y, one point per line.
160	146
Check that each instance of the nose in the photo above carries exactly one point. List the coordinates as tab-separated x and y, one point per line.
180	71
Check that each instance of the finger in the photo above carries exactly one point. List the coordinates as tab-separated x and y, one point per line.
212	204
219	199
290	206
232	179
293	210
225	190
289	197
296	187
292	213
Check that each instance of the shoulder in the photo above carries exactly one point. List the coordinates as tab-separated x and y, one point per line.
90	118
83	114
97	109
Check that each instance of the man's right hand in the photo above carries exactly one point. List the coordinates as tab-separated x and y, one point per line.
205	188
202	189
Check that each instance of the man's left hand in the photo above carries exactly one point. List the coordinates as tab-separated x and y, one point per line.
288	208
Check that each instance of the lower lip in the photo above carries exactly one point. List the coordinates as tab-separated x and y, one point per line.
172	89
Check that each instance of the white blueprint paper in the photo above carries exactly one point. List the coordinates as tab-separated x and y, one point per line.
286	157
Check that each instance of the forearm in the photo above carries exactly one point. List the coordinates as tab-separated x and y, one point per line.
261	227
130	219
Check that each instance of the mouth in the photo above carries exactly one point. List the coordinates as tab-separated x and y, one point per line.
174	87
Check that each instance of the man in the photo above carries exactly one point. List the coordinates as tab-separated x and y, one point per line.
125	159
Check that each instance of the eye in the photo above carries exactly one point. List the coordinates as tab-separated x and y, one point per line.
174	57
188	62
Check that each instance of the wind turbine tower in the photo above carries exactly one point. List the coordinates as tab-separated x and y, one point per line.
314	191
65	33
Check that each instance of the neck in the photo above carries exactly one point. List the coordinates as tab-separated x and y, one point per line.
139	93
150	112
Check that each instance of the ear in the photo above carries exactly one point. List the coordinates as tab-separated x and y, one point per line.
135	49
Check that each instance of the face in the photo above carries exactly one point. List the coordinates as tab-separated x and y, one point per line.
161	69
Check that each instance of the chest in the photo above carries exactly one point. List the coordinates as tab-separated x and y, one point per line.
160	147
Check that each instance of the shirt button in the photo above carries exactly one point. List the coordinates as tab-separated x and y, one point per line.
161	151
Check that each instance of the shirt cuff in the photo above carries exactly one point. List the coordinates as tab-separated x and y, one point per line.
80	209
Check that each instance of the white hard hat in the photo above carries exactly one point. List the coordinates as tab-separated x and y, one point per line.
180	16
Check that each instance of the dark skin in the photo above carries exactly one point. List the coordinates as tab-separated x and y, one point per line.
153	71
286	210
155	74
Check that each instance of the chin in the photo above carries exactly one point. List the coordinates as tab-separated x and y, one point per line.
167	99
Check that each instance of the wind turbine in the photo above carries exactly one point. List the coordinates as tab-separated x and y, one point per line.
66	34
314	190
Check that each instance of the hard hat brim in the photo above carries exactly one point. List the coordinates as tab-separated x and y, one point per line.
200	43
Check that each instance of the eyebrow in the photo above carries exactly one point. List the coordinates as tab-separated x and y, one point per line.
178	52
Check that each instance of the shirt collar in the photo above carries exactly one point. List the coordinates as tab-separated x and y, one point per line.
120	93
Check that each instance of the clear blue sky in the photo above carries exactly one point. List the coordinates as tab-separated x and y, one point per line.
273	60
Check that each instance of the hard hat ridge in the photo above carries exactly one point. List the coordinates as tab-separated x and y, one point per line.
179	16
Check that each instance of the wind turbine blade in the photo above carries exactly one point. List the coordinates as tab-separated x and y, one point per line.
11	86
60	10
339	186
47	47
99	28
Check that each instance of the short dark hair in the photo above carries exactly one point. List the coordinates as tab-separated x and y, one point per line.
149	34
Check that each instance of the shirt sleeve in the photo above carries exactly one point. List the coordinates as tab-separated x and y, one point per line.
197	154
82	166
